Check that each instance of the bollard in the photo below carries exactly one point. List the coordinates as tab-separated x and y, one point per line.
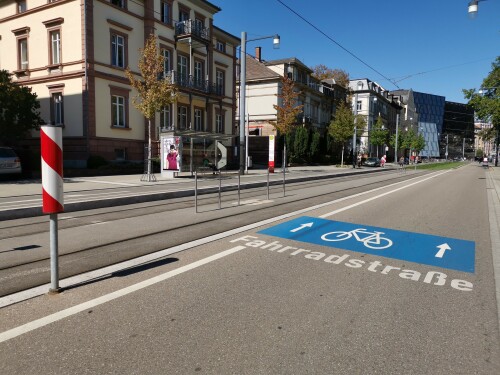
52	192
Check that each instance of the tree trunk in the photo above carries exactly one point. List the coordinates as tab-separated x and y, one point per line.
342	157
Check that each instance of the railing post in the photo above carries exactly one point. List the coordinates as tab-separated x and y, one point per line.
196	191
239	181
284	193
220	188
267	183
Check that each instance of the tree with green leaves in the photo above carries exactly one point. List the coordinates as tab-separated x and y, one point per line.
301	142
418	143
486	101
341	128
154	90
314	149
19	110
378	134
287	111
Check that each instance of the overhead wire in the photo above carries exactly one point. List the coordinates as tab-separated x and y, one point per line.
337	43
399	79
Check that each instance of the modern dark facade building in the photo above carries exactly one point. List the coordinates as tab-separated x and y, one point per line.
457	137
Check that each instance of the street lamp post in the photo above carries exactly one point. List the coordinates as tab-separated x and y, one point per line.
396	142
360	85
243	83
446	153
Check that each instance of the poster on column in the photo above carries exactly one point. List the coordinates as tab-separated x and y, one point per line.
172	153
271	154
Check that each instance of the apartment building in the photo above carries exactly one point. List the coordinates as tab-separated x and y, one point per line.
371	100
73	54
263	84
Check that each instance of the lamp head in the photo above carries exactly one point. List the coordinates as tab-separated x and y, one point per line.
276	41
472	9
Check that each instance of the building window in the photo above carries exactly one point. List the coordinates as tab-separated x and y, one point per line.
118	111
219	81
120	154
118	3
22	53
219	123
198	27
182	69
182	117
56	109
198	119
166	12
166	61
118	50
21	6
221	46
183	14
165	117
55	47
198	73
359	105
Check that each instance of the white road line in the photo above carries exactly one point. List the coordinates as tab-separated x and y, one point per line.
31	326
102	182
379	196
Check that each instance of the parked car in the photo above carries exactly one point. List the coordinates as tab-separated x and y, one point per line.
372	162
9	161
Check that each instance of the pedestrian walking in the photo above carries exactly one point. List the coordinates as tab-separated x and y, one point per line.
401	163
382	161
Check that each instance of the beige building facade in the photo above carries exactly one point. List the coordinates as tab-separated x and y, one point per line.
73	54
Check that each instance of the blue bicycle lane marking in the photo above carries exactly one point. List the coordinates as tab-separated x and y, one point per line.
444	252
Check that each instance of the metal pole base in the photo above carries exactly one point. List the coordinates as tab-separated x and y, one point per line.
148	177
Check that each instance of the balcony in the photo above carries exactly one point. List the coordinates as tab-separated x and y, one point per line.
196	84
191	28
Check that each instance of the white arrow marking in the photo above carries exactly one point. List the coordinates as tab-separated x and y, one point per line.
442	249
307	225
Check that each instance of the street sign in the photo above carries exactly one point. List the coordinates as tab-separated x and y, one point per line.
450	253
223	152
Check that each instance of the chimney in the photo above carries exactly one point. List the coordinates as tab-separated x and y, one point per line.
257	53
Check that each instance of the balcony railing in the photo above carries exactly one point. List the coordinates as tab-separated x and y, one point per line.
191	28
195	83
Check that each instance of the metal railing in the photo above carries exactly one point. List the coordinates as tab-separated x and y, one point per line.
192	28
231	187
195	83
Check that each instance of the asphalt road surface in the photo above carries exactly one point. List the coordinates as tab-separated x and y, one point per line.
365	276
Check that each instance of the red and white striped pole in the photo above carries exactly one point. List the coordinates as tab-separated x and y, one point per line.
52	192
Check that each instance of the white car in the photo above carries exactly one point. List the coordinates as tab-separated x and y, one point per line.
9	161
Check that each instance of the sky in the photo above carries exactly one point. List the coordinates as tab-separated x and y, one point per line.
430	46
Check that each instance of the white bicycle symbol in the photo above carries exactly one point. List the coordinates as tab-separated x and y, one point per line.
372	240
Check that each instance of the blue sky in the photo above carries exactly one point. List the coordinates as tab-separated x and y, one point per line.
433	43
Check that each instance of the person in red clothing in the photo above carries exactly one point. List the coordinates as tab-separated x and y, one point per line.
172	159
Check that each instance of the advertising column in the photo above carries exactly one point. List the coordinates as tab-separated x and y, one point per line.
171	155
